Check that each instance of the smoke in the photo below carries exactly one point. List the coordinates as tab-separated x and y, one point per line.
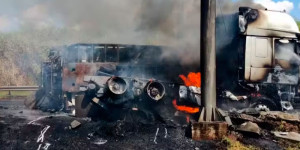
40	25
225	7
174	23
169	22
286	52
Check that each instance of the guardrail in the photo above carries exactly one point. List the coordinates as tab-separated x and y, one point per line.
9	89
19	88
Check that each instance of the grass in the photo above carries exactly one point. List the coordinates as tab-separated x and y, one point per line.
5	94
281	127
233	144
298	23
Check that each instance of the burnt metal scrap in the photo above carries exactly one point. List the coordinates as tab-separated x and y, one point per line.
112	81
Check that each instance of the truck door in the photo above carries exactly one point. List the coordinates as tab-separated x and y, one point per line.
258	58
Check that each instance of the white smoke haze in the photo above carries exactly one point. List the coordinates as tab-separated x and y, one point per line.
225	7
30	28
113	21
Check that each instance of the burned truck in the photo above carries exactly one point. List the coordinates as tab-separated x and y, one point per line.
109	79
257	66
258	59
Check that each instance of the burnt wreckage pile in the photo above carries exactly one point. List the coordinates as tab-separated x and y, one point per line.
257	67
111	81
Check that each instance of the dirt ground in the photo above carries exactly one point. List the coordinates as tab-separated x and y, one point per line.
21	128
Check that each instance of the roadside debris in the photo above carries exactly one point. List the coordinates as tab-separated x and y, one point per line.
100	141
39	118
288	135
45	147
277	115
249	127
75	124
245	117
156	136
166	133
41	137
225	116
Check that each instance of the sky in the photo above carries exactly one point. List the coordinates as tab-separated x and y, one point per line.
291	6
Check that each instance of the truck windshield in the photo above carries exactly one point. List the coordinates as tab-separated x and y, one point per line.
286	69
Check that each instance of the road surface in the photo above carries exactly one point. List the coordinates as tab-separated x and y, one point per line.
22	128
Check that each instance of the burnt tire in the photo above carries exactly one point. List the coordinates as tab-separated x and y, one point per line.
264	104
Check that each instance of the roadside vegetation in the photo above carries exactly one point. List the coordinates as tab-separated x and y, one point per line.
22	52
15	94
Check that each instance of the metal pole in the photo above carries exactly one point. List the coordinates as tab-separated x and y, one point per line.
208	59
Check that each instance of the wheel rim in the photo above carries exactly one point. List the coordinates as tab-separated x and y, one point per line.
262	107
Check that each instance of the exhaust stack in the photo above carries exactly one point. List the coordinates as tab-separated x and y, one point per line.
155	90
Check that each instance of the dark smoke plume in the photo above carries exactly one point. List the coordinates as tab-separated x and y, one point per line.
40	25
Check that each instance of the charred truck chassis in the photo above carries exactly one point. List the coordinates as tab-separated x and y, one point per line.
109	76
261	63
258	68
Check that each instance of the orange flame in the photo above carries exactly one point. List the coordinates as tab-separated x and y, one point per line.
193	79
191	110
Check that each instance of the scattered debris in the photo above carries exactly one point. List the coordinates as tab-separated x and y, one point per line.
39	118
135	108
166	133
45	147
156	136
41	137
288	135
39	147
249	127
96	100
249	111
225	116
245	117
277	115
75	124
100	141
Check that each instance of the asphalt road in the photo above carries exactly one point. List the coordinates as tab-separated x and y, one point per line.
22	128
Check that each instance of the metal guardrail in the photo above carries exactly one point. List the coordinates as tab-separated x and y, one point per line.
19	88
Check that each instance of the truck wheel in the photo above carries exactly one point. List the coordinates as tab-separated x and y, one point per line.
264	104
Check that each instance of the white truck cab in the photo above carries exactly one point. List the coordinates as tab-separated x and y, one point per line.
271	46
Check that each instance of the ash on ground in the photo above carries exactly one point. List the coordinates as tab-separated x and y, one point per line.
21	128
